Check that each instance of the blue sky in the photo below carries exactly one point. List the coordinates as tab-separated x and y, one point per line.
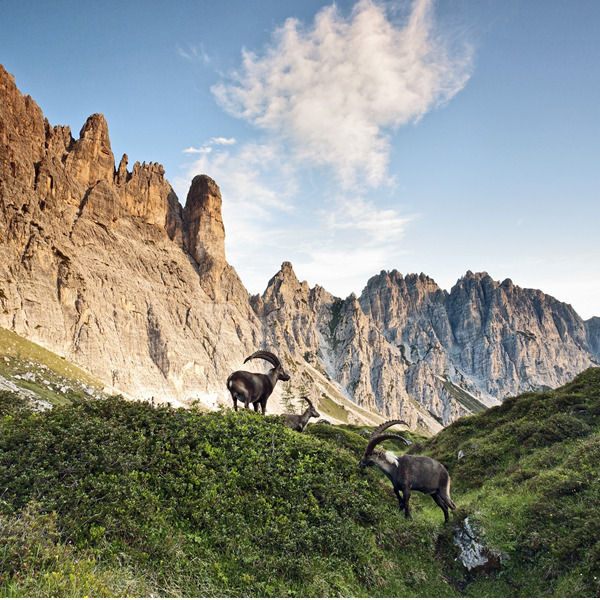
347	138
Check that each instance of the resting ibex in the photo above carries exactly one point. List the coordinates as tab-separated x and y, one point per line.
408	472
299	422
256	388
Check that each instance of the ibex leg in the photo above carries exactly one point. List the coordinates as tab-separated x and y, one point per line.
400	499
406	494
441	504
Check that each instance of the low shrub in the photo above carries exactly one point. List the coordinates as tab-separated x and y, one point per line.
214	504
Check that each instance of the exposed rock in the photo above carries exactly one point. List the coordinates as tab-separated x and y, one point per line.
205	229
145	193
93	265
592	329
204	235
473	554
105	267
90	159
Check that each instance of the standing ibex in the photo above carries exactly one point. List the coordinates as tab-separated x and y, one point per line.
256	388
408	472
299	422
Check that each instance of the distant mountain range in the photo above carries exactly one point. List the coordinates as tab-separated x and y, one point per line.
104	267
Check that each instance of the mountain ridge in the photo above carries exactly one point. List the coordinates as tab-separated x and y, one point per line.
104	266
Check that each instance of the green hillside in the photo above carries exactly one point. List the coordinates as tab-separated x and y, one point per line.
529	477
38	375
106	497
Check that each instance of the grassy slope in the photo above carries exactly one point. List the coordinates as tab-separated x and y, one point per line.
220	504
108	497
529	477
41	374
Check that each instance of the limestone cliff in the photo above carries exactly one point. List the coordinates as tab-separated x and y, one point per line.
103	266
592	329
407	349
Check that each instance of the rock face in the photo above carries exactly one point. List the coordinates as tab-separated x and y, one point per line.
407	349
482	341
592	330
94	261
105	267
204	239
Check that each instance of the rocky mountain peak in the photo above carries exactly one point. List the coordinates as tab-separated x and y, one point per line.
145	193
286	285
287	270
389	296
470	280
205	232
106	268
91	157
204	239
93	263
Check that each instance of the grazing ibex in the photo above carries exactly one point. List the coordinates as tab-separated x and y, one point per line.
408	472
256	388
299	422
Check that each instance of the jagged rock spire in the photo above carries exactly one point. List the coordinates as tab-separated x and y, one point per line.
91	157
205	232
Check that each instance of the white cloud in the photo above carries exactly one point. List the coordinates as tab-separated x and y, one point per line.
193	53
381	226
221	141
339	243
352	240
202	150
256	175
342	271
207	147
325	97
257	187
334	92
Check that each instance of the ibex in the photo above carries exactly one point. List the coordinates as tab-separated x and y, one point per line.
408	472
299	422
256	388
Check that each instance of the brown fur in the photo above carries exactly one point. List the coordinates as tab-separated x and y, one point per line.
408	472
255	388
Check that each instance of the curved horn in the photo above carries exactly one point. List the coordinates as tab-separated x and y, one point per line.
268	356
385	425
381	438
309	402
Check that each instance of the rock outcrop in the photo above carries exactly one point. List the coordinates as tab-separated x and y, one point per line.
483	341
103	266
592	330
94	262
407	349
